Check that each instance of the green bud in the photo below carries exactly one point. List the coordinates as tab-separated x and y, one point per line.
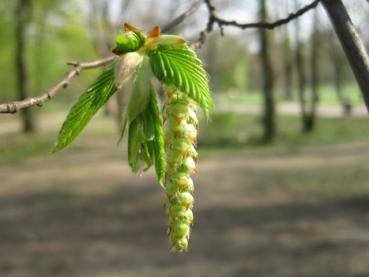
181	244
181	146
181	230
189	164
129	41
180	178
184	199
175	210
172	157
193	153
174	125
178	110
186	217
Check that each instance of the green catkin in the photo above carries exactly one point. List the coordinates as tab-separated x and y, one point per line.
181	124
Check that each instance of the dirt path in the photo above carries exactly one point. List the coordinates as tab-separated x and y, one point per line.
84	214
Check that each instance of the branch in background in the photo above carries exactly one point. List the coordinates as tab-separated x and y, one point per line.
13	107
351	43
176	21
214	18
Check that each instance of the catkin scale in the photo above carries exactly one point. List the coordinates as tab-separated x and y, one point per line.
180	138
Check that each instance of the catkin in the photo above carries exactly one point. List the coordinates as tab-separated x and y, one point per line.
180	124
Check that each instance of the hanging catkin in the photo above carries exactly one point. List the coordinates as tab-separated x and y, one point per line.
180	124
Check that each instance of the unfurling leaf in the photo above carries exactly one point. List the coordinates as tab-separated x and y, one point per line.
129	42
86	107
139	93
146	139
157	143
178	65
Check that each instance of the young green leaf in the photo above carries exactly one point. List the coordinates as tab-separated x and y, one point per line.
86	107
178	65
134	141
146	139
138	147
158	141
129	42
139	93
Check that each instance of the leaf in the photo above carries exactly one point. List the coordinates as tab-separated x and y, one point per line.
86	107
129	41
178	65
146	139
158	141
133	144
139	94
138	150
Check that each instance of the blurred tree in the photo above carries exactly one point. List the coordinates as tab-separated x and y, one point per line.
307	113
314	70
269	128
287	62
225	73
22	18
352	44
339	64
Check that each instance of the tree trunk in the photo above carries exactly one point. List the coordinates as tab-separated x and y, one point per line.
338	79
21	15
301	78
287	67
287	63
269	128
352	44
314	73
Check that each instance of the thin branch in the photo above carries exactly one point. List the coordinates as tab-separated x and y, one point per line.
352	44
13	107
176	21
214	18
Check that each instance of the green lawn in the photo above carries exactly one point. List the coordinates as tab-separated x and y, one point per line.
223	131
327	95
234	130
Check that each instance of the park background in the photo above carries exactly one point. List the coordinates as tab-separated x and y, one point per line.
293	204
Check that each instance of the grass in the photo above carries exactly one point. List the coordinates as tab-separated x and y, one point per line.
233	130
15	148
224	131
296	207
327	95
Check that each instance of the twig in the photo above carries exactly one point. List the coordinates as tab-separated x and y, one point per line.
214	18
176	21
13	107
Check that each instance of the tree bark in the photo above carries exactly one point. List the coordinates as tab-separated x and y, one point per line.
21	15
338	62
287	66
269	128
314	73
352	45
301	76
287	62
